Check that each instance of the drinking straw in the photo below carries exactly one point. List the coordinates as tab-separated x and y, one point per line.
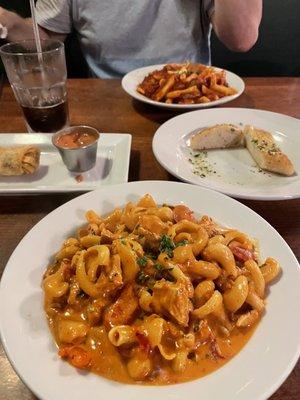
37	38
36	32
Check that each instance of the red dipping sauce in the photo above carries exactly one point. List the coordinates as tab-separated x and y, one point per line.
75	140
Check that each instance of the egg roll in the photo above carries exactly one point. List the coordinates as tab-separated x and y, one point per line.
19	160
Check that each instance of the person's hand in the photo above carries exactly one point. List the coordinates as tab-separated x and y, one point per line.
15	28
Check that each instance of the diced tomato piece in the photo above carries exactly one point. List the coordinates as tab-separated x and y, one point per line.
63	352
79	357
143	341
69	271
76	355
241	254
181	212
215	350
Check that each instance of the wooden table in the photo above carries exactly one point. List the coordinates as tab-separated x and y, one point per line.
104	105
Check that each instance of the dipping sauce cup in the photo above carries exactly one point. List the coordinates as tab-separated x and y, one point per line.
77	146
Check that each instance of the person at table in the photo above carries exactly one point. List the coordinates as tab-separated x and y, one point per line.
118	36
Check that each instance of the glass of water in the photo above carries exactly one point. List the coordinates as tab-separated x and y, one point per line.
38	80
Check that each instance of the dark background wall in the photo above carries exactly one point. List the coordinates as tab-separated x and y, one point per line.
277	52
20	6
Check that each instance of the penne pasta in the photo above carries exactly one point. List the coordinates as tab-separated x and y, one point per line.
122	334
185	83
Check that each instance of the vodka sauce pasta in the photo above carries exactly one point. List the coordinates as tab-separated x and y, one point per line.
150	294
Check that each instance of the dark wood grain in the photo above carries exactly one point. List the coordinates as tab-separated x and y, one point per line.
103	104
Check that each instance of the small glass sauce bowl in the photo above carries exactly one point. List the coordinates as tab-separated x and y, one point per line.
77	146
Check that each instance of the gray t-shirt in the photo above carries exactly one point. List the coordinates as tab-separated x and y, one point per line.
117	36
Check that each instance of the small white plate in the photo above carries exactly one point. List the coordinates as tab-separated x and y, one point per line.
230	171
111	167
131	81
253	374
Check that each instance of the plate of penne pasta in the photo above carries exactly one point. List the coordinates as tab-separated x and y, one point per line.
183	85
148	290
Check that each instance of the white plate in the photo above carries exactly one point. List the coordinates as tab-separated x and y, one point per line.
131	81
255	373
111	167
236	173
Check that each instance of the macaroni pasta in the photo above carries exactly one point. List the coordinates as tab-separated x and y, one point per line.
151	294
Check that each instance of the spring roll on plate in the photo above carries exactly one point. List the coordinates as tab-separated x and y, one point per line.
19	160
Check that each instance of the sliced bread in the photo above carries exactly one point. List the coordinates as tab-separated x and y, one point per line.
219	136
265	151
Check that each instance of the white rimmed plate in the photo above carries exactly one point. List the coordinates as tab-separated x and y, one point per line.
230	171
112	165
131	81
255	373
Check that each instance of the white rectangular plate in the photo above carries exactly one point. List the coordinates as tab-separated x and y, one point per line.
111	167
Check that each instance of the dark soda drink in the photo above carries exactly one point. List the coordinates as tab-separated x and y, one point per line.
48	117
38	79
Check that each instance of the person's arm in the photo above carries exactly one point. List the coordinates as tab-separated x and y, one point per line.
236	22
20	28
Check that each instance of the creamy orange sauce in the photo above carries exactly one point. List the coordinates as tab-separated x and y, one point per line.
107	361
75	140
149	295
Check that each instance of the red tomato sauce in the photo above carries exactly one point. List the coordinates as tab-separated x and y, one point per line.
75	140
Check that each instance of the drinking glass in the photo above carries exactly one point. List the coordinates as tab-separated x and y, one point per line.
38	80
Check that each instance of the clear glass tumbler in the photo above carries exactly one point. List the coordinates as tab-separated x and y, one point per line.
39	83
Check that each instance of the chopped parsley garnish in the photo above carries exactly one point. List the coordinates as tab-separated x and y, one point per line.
159	267
201	166
141	314
166	245
196	325
142	277
123	241
163	273
151	255
182	243
142	261
264	145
